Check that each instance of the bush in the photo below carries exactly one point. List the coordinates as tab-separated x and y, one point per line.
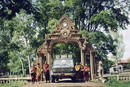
14	84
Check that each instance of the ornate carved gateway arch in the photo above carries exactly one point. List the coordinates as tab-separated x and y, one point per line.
65	33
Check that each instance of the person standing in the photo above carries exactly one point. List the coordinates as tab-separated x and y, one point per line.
86	72
46	71
33	73
77	69
81	72
38	72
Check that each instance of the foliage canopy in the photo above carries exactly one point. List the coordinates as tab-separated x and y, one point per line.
24	24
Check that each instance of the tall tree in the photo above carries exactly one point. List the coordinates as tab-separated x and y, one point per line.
93	17
9	8
84	10
49	10
25	36
5	38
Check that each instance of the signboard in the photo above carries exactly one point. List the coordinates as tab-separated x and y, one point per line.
64	56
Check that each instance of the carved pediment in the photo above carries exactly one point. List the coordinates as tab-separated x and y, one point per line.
65	23
65	29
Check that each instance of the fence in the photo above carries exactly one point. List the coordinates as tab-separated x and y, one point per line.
121	77
7	78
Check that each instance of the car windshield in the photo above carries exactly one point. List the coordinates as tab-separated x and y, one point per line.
63	63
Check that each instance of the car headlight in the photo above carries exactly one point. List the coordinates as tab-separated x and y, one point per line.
71	69
54	70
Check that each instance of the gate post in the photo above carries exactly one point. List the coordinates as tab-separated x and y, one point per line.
41	66
49	59
82	57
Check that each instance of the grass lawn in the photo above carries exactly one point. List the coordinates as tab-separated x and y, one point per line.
14	84
118	84
112	82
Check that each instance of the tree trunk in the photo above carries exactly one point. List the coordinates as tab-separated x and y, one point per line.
28	57
22	65
29	64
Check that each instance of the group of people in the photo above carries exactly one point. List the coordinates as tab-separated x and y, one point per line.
82	72
36	72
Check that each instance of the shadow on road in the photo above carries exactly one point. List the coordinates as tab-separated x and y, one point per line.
69	81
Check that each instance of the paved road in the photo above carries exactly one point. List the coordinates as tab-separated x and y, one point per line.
64	83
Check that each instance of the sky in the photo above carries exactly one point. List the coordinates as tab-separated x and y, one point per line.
126	39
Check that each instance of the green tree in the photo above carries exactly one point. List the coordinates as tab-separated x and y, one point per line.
49	10
5	38
82	11
24	37
24	33
103	44
9	8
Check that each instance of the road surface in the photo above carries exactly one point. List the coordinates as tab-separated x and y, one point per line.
64	83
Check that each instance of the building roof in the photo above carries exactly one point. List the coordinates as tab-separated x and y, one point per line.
125	60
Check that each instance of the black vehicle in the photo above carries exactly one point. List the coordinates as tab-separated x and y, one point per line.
63	67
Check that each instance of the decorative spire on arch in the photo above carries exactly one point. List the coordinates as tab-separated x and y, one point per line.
65	23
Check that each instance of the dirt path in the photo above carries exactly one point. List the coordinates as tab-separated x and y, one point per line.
65	83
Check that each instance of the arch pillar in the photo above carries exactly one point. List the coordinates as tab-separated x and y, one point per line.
82	57
41	66
40	61
49	59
